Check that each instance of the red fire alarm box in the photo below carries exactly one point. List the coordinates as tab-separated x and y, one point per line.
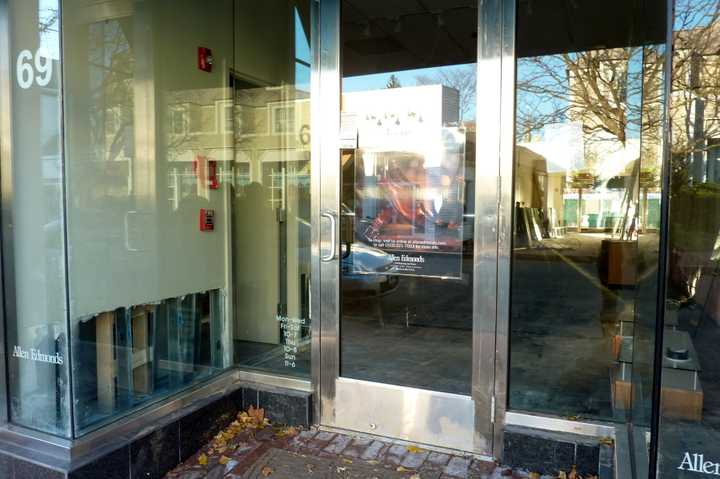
207	219
205	59
206	172
212	175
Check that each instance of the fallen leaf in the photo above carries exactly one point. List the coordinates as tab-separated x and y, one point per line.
534	475
258	414
287	432
415	476
266	471
562	475
347	461
401	469
224	460
414	449
202	459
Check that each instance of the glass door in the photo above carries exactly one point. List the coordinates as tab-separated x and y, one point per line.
399	258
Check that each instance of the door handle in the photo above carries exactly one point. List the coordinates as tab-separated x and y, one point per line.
333	226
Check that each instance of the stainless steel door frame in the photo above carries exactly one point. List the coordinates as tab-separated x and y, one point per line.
325	200
485	408
505	138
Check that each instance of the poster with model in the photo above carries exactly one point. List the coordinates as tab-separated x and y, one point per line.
409	204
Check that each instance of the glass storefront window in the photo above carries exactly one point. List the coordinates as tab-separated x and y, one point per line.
159	230
149	162
33	226
689	433
588	149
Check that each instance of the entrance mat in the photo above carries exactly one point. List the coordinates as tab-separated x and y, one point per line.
281	464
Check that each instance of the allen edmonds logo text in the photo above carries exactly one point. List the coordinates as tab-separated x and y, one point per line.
697	463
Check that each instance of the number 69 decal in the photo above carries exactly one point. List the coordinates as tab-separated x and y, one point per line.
40	74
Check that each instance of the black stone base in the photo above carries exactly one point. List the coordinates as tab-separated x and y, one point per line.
156	451
550	452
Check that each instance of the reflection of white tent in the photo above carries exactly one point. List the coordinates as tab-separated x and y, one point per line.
561	146
565	150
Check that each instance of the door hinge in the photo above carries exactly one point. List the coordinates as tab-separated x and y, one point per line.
492	410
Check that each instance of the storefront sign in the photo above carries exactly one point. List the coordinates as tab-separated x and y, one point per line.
409	205
36	355
697	463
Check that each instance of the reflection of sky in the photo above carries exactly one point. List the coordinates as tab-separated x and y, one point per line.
50	38
302	55
302	46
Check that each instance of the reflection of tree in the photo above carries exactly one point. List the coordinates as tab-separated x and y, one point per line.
393	82
462	78
614	93
694	113
47	20
695	88
112	65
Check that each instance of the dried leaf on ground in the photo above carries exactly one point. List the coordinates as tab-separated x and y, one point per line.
224	460
402	469
287	432
414	449
266	471
258	414
534	475
203	459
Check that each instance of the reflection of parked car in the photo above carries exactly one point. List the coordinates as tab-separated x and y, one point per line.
357	261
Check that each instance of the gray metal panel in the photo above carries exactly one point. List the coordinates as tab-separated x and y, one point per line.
6	195
326	128
417	415
505	223
487	174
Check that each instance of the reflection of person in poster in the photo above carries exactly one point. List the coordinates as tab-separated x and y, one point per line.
410	205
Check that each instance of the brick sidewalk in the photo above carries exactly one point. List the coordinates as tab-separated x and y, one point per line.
235	452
